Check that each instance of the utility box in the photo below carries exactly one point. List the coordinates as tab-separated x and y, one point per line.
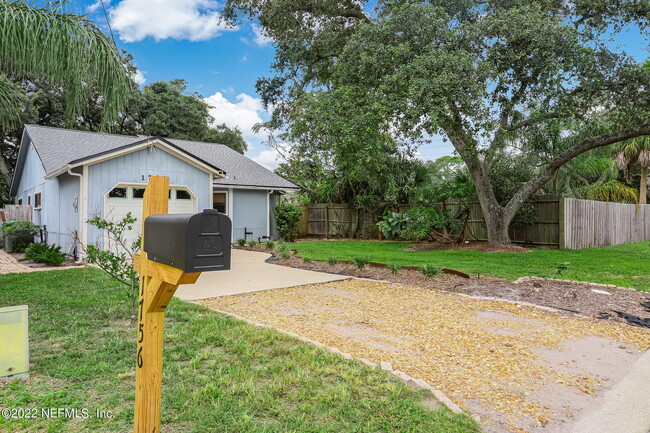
190	242
14	342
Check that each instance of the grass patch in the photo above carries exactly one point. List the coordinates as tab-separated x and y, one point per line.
623	265
220	374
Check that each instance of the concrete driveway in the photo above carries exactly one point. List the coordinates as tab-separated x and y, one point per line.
249	272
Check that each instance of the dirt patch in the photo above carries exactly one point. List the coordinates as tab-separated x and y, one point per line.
467	245
621	305
522	380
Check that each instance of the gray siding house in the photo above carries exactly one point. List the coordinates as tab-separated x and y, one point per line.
70	176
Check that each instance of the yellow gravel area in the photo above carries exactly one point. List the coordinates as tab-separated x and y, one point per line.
470	349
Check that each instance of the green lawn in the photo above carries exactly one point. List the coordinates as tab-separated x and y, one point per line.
220	374
623	265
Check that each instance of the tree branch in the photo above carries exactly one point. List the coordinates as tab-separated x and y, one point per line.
590	143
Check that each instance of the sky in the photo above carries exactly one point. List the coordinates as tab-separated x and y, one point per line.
185	39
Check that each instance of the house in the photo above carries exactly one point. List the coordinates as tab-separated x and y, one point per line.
71	176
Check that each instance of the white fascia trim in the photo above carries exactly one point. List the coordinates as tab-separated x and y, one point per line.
260	188
156	143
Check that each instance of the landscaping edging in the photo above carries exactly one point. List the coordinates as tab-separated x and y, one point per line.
559	280
386	366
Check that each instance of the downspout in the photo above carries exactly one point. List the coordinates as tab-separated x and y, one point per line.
79	205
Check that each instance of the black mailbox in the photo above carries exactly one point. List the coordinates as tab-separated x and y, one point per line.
190	242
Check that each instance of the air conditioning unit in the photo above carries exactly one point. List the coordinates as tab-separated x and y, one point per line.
14	343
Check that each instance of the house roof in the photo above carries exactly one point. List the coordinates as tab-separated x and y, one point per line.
58	148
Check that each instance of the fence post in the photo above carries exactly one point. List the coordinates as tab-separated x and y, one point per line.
327	221
562	240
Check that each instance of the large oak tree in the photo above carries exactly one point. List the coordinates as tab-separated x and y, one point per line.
487	75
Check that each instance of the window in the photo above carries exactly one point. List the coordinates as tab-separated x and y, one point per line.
119	192
29	199
181	194
37	200
20	201
220	200
138	192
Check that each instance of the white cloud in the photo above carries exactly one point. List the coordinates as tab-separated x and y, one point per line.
260	38
193	20
244	113
139	78
269	158
95	6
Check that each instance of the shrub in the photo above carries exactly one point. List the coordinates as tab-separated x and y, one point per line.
241	242
306	260
252	243
270	244
287	219
563	267
394	269
22	233
283	251
419	223
429	272
43	253
332	261
361	262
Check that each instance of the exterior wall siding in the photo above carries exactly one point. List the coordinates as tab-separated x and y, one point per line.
136	167
31	182
68	208
249	213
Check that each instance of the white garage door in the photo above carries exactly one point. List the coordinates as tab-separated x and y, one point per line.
125	198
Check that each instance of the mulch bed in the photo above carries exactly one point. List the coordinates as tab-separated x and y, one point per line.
622	305
35	265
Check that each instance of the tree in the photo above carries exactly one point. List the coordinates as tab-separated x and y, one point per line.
487	75
62	49
631	155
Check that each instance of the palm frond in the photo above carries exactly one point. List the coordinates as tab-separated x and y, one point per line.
63	49
12	97
612	191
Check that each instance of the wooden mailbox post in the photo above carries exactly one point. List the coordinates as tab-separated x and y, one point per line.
158	282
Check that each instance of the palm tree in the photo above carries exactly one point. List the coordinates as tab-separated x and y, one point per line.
631	155
43	41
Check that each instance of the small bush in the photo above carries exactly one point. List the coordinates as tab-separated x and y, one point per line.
270	244
429	272
361	262
241	242
287	219
22	233
563	267
394	269
306	260
252	243
43	253
283	251
332	261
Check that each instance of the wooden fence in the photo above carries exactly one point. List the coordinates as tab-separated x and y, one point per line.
559	223
587	223
18	213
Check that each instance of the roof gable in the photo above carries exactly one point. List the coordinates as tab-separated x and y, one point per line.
58	148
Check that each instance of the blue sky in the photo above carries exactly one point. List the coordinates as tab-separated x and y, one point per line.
184	39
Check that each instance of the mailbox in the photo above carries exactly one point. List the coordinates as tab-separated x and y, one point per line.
190	242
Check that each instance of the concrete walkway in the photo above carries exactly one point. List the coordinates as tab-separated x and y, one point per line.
626	407
250	273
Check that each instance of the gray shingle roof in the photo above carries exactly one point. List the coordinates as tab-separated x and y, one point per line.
58	147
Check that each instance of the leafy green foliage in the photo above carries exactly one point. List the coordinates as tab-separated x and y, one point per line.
395	269
361	262
418	223
283	250
43	253
429	271
22	233
43	41
269	244
116	259
612	191
241	242
287	220
562	267
371	80
252	243
332	261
